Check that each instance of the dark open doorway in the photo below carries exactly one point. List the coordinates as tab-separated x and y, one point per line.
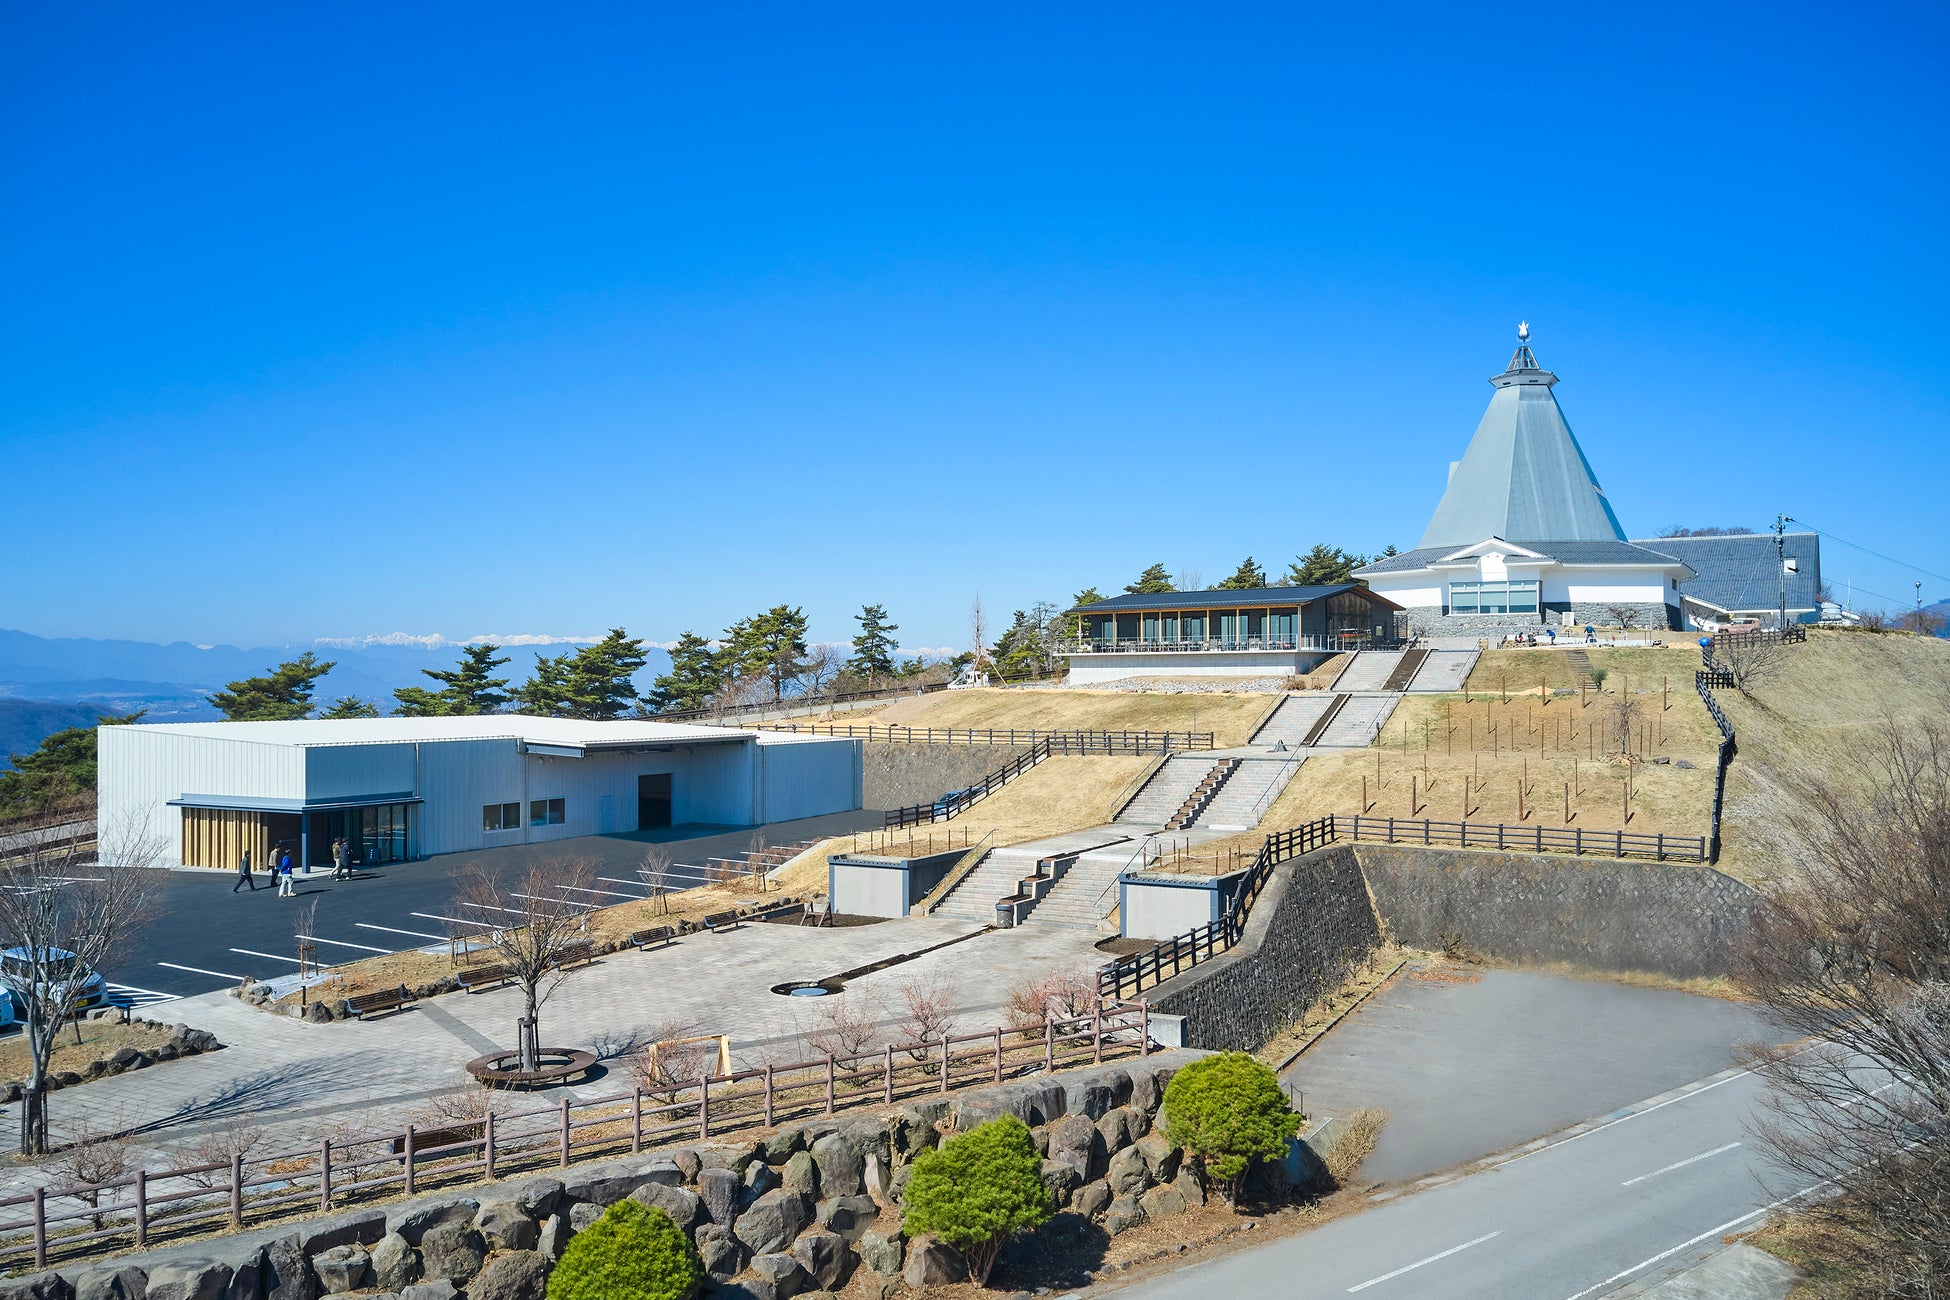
653	801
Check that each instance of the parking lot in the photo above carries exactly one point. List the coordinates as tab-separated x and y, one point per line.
203	937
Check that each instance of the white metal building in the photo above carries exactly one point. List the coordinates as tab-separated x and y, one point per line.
402	788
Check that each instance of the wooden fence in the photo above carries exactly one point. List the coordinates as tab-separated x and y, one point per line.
951	805
150	1205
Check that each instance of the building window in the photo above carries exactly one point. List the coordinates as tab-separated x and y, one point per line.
1493	598
501	817
544	812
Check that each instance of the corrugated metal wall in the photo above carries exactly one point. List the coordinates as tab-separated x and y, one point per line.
142	768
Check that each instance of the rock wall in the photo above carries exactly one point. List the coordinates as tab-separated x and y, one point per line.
1681	921
804	1208
1311	926
895	775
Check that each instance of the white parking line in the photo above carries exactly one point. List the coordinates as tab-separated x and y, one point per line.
1693	1160
147	993
566	902
340	943
267	956
610	893
1409	1268
198	970
451	920
390	930
485	907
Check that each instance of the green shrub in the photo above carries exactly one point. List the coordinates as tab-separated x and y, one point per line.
632	1250
1598	676
1228	1110
978	1190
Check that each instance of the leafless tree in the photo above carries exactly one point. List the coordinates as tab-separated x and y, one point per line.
221	1145
819	668
1034	998
1751	659
845	1027
1623	615
978	633
927	1007
742	692
679	1052
1853	953
534	917
1190	579
654	871
64	915
92	1158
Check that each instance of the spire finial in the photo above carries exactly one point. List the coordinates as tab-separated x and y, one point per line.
1523	331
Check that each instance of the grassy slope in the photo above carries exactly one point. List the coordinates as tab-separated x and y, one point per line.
1830	695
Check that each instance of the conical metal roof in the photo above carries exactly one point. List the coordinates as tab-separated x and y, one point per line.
1524	474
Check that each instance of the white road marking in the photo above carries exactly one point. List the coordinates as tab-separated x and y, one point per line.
198	970
267	956
149	996
1691	1160
566	902
485	907
1607	1127
451	920
1704	1236
390	930
609	893
340	943
1410	1268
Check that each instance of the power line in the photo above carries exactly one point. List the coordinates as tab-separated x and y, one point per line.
1878	554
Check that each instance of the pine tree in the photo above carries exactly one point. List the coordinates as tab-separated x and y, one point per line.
1153	579
873	649
601	676
469	689
280	696
1249	574
546	693
61	771
1324	566
696	673
351	706
772	644
1073	622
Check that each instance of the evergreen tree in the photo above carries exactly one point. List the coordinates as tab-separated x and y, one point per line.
351	706
469	689
593	682
977	1190
1075	624
1249	574
696	673
546	693
284	694
873	649
1324	566
60	771
1153	579
772	645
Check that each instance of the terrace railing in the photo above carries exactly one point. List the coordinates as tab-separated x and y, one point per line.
72	1221
1059	742
1179	646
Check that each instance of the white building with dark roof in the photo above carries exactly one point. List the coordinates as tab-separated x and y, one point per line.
396	789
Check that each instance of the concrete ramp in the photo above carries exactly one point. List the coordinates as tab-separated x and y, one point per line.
1355	725
1369	670
1293	719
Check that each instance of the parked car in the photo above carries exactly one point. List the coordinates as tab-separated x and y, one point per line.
17	971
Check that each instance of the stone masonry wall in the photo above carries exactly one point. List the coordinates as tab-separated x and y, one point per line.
895	775
1431	621
1680	921
1311	926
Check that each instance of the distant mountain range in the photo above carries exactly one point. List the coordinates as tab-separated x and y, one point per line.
48	683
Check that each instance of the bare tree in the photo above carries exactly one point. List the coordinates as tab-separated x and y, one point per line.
1035	998
654	871
927	1012
1750	658
220	1146
92	1158
535	917
844	1027
818	669
1622	711
978	632
1623	615
679	1052
63	917
1853	955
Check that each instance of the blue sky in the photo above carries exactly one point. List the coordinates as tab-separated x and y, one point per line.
485	318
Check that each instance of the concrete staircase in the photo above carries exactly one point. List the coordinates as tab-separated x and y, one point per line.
1405	669
1160	798
1368	671
1087	894
1443	671
1243	800
1203	794
1293	719
1355	724
1580	664
995	877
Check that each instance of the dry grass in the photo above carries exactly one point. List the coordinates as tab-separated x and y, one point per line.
1230	716
1812	718
1815	1245
1523	669
100	1039
1376	971
1355	1144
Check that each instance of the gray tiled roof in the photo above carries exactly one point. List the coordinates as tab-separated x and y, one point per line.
1524	474
1573	552
1739	573
1229	598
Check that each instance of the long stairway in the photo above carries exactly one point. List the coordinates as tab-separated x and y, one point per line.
1166	792
1580	665
1369	671
1443	671
994	878
1086	895
1355	723
1293	719
1243	800
1202	794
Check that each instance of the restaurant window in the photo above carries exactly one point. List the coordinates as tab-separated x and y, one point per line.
1349	618
1492	598
501	817
545	812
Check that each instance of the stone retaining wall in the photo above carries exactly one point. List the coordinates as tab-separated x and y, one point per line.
896	774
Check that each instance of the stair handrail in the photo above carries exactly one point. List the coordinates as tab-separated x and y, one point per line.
956	874
1273	789
1143	847
1135	786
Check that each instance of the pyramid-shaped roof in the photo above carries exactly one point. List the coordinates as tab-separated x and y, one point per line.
1524	474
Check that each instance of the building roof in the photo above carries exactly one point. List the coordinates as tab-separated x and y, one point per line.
1223	598
1599	553
562	733
1524	474
1740	573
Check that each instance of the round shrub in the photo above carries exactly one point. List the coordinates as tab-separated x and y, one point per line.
632	1250
1228	1110
977	1190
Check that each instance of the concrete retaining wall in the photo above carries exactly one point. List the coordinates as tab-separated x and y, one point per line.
1681	921
895	775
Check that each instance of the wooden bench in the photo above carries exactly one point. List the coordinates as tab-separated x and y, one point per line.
373	1004
722	921
480	977
656	934
581	952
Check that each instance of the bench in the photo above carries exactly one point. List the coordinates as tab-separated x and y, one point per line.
656	934
373	1004
581	952
721	921
480	977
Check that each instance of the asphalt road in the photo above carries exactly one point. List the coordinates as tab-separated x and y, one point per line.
1646	1193
203	937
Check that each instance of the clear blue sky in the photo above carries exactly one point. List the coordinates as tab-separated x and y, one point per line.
362	319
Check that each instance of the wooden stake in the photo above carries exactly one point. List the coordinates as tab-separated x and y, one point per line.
1414	799
1567	803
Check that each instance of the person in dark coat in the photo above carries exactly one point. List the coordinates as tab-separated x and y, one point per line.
244	876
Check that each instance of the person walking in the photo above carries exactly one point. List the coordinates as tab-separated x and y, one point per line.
244	876
341	860
287	886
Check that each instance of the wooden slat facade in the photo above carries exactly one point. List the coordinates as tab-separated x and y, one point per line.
217	837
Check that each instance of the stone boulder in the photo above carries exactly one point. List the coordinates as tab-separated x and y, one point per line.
1075	1141
687	1163
759	1179
823	1256
1160	1157
341	1268
361	1229
1091	1199
719	1189
720	1251
127	1283
582	1214
681	1204
413	1224
882	1252
287	1273
1120	1127
1124	1214
395	1265
536	1197
41	1286
778	1276
1162	1201
931	1262
800	1174
506	1226
454	1250
846	1215
1060	1181
554	1237
1190	1185
1030	1101
842	1161
780	1146
606	1187
1127	1174
730	1155
771	1223
437	1289
189	1279
511	1275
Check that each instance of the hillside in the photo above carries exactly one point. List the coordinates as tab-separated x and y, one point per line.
1230	718
25	723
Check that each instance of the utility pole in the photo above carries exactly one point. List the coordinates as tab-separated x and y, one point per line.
1780	565
1919	609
